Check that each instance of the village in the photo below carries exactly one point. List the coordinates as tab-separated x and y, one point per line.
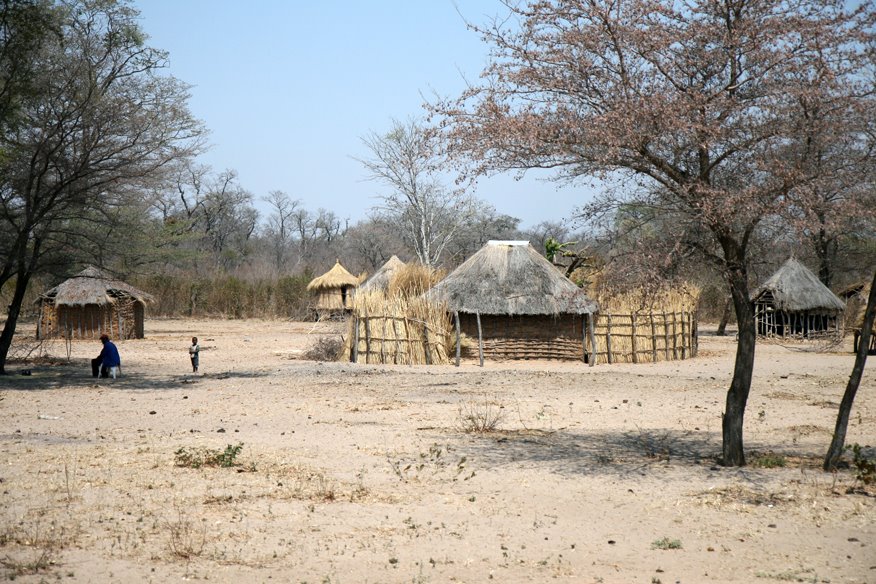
409	292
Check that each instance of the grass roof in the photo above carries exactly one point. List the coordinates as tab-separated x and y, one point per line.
380	279
93	286
337	277
511	278
795	288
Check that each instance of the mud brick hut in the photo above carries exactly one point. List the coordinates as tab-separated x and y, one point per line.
333	291
92	303
519	305
794	303
381	278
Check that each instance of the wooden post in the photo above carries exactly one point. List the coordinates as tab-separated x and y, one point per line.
426	344
665	336
121	326
367	339
592	327
683	338
409	341
633	336
584	338
695	334
397	356
354	353
383	340
480	339
458	348
674	338
608	339
653	338
40	322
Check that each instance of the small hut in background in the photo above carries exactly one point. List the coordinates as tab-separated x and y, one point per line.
856	309
519	305
333	291
381	278
794	303
92	303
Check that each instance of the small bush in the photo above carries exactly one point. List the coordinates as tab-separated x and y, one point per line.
325	349
768	460
865	468
198	457
480	417
666	544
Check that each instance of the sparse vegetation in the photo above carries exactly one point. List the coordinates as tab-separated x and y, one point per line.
480	417
768	460
201	456
666	544
186	539
865	467
324	349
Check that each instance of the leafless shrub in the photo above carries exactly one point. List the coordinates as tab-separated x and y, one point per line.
324	349
480	417
186	540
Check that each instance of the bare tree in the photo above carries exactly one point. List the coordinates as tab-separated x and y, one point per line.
281	226
696	106
409	162
97	120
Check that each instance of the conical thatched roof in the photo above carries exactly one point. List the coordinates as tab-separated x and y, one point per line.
510	277
92	286
337	277
380	279
795	288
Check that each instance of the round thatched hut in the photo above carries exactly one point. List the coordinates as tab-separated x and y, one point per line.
333	291
92	303
380	280
794	303
518	304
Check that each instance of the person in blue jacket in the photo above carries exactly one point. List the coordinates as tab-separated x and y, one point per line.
109	357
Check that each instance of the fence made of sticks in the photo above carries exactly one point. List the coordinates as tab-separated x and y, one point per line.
646	337
395	330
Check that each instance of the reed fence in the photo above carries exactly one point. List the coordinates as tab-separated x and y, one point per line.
646	337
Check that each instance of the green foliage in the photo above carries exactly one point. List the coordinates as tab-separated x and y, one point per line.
768	460
201	456
865	467
666	544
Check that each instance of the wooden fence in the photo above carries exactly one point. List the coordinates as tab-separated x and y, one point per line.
645	337
619	338
397	340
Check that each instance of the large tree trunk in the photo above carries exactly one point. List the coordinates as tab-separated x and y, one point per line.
835	451
12	318
737	395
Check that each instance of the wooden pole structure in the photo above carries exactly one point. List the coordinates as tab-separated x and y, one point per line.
480	339
653	339
458	347
683	338
354	354
608	338
633	337
367	339
426	344
592	339
665	335
584	338
674	337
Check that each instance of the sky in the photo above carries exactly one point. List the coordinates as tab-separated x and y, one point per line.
287	89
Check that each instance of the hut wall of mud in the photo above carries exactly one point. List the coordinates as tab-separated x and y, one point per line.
646	337
560	337
121	319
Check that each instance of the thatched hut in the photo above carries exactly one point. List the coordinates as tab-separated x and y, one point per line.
92	303
333	291
518	304
380	279
794	303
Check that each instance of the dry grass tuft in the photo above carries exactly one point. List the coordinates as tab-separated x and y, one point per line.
413	280
480	417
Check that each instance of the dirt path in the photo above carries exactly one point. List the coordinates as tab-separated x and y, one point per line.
353	473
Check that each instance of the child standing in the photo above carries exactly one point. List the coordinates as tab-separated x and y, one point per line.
193	353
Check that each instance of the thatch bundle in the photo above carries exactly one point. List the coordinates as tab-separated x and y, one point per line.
684	297
392	328
413	279
381	278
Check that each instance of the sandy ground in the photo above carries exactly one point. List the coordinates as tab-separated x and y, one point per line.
354	473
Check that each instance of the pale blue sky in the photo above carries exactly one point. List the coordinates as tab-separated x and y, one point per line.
287	88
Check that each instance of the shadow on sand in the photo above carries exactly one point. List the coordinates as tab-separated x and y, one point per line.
74	375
